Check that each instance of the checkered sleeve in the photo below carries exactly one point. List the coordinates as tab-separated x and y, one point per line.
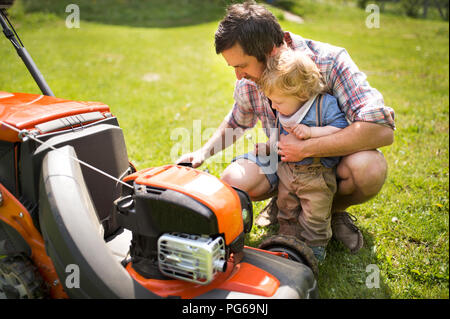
358	100
246	99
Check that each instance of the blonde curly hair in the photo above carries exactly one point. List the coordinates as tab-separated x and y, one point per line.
292	73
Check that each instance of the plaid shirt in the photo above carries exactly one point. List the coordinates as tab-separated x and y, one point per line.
356	98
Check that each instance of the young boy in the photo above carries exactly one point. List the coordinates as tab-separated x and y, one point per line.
296	90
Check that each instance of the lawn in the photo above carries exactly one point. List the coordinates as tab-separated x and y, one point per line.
154	64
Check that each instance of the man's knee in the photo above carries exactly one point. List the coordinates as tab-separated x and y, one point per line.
234	175
364	172
247	176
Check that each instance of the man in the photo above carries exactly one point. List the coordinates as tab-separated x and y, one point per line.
246	36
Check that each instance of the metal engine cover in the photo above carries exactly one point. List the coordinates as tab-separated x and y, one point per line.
191	257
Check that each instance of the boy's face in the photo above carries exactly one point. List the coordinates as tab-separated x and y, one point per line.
285	104
245	66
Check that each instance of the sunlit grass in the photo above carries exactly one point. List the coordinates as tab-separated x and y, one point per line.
159	72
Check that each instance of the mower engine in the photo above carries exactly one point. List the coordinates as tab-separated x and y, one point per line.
191	257
186	224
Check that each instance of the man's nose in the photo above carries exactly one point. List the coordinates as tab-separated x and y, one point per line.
239	74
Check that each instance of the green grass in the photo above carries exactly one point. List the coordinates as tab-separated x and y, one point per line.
170	43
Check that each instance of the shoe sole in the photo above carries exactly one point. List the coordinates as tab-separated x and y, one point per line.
360	243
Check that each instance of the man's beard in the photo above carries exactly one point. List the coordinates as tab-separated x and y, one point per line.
251	78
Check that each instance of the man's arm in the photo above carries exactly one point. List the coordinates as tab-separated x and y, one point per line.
359	136
223	137
232	127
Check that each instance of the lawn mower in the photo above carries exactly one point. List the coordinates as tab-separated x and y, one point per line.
77	220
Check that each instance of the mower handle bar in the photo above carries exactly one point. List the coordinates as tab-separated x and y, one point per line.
24	55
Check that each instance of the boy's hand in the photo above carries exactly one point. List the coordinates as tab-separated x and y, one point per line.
302	132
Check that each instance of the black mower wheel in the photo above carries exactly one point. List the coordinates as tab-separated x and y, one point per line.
296	249
19	279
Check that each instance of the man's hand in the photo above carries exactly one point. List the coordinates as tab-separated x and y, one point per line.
196	158
290	148
223	137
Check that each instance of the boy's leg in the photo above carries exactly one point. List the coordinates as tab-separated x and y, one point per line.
316	191
287	202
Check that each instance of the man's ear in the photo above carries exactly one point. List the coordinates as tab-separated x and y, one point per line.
274	51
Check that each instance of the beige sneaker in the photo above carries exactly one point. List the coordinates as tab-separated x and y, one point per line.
345	231
268	215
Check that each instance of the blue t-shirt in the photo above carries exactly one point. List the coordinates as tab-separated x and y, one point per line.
331	115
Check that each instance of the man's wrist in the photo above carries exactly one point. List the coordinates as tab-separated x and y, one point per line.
308	147
205	152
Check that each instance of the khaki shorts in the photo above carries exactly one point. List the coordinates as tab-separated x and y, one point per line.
305	195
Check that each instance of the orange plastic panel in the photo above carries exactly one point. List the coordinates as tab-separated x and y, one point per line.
206	188
243	277
15	215
252	280
24	111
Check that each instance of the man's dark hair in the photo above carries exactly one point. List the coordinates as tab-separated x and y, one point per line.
252	26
